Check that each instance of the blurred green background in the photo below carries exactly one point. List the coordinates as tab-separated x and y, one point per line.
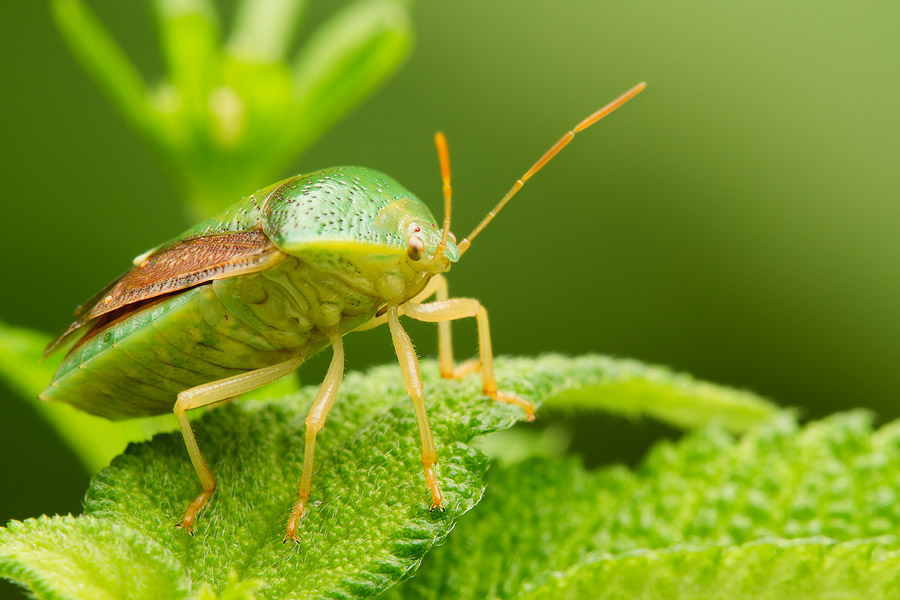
738	220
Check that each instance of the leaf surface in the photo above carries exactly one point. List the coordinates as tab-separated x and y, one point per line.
765	570
369	523
783	512
89	558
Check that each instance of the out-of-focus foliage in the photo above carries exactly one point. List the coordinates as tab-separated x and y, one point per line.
232	109
784	512
95	441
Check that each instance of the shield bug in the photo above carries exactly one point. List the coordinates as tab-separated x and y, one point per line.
245	297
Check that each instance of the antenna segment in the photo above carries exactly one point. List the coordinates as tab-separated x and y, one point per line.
444	157
547	157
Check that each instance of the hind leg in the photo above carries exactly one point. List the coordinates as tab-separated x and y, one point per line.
206	395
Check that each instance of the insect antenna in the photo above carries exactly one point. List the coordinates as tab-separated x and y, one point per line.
444	158
553	151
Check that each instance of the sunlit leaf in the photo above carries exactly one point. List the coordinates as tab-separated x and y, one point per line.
369	524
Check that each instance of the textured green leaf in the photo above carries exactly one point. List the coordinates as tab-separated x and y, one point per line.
766	570
88	558
369	524
688	520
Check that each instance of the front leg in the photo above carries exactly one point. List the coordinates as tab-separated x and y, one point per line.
437	287
444	311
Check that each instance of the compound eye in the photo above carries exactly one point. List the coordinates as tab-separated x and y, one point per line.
415	249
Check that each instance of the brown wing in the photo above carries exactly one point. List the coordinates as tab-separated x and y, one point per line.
177	267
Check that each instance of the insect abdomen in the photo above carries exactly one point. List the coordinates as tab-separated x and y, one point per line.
136	367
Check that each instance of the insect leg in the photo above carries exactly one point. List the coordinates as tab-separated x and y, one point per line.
430	290
459	308
445	340
315	420
409	365
436	287
211	393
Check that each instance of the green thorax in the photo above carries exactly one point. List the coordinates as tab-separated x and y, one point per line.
352	205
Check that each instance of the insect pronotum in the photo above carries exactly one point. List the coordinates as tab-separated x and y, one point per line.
245	297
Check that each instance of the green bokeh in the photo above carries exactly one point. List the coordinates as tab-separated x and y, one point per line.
738	220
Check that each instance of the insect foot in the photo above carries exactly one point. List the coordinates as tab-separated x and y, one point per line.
437	498
499	396
294	520
193	509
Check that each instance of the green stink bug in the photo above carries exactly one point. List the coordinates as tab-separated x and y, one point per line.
245	297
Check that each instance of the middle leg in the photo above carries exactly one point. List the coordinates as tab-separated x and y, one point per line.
315	421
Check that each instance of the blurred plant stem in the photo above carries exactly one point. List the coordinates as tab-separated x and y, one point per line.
232	111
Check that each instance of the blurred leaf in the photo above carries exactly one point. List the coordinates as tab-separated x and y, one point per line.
88	558
765	570
104	60
783	512
515	445
263	29
94	440
234	589
190	39
228	117
21	361
633	389
343	62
